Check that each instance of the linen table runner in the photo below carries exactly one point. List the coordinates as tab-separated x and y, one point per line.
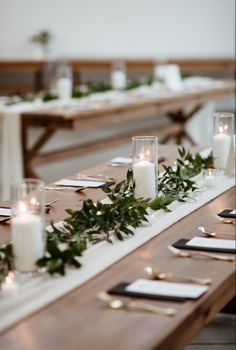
39	291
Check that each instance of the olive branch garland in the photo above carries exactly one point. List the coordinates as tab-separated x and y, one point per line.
97	222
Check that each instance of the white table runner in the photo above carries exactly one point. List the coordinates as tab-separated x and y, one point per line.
39	291
11	166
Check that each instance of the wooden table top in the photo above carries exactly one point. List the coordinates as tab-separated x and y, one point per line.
198	96
80	321
162	104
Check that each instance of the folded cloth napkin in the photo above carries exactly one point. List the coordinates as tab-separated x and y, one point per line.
159	290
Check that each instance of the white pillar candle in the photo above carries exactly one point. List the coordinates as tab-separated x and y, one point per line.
64	88
221	145
27	240
210	180
118	80
145	179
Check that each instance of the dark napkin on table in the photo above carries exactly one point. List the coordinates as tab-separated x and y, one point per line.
120	289
227	213
182	244
84	182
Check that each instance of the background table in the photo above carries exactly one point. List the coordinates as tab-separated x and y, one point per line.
180	107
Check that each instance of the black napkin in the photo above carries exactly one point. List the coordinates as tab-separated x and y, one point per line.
226	214
120	289
182	244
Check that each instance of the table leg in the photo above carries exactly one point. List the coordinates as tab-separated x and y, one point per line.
30	153
230	308
38	81
181	118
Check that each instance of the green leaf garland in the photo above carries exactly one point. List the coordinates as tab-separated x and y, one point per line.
97	222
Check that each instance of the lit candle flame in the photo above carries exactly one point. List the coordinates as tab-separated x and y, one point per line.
9	278
22	207
221	129
142	156
33	201
226	127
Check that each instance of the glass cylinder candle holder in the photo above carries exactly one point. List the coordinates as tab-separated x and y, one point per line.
223	131
209	178
27	224
64	81
145	166
118	76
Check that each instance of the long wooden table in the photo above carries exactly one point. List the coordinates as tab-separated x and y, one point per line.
179	107
80	321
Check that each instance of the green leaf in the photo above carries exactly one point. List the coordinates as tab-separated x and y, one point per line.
94	223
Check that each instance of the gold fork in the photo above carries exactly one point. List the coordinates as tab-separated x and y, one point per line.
116	304
184	254
64	188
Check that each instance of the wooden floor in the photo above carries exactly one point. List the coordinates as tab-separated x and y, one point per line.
219	334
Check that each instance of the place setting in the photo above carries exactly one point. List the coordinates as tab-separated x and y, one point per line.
6	212
209	241
80	183
199	247
224	220
155	288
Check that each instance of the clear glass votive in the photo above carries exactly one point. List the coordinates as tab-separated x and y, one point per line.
64	81
27	224
209	178
145	166
118	75
222	135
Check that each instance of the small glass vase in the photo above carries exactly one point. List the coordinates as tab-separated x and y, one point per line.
223	131
209	178
145	166
27	224
118	76
40	51
64	81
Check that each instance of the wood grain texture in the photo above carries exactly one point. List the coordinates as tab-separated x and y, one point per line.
220	63
80	321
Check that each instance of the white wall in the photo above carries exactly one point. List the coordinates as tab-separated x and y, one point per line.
129	28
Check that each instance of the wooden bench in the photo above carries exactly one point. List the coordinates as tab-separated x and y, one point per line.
18	69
